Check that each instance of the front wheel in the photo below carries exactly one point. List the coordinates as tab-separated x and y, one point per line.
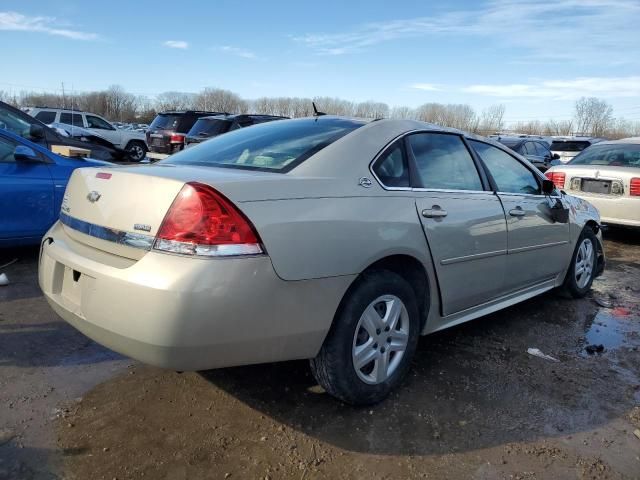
583	265
136	151
369	348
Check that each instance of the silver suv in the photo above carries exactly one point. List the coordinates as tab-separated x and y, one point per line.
132	142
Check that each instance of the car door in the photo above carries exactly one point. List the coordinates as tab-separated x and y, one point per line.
538	246
26	195
103	128
464	223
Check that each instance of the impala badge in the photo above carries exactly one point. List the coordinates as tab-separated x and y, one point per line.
142	226
93	196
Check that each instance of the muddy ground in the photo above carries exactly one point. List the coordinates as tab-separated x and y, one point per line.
476	405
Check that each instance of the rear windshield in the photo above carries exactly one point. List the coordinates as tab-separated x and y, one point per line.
612	155
574	146
208	127
165	122
271	146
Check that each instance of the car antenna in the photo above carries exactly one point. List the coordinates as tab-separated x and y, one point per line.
316	113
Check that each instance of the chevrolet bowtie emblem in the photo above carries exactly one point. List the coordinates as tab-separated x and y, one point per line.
93	196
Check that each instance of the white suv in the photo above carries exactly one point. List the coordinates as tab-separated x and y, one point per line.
134	143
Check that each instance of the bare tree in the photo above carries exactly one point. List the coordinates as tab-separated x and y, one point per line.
174	101
491	119
593	116
219	100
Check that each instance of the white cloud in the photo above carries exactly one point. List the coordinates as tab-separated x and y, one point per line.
584	31
237	51
17	22
181	44
610	87
429	87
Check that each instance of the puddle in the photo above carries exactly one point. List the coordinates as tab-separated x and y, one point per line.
609	328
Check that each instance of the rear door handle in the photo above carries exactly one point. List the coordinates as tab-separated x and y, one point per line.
517	212
434	212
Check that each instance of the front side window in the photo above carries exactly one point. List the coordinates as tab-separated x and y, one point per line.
542	149
271	146
510	175
74	119
443	162
46	116
392	168
98	123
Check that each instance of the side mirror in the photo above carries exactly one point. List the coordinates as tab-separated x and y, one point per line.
36	131
25	154
556	156
548	187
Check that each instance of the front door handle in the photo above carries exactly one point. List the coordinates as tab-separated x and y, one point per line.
517	212
434	212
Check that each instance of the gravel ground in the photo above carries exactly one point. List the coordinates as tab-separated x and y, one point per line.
476	405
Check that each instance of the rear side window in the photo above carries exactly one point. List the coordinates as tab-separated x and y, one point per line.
74	119
392	168
46	117
443	162
271	146
510	175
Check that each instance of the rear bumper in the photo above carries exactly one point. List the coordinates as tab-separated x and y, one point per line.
614	210
185	313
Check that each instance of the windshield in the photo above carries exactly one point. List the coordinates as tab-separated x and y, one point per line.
572	146
271	146
612	155
208	127
165	122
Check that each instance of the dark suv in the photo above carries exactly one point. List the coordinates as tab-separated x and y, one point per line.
534	149
207	127
167	131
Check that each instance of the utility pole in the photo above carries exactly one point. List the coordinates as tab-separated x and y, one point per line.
64	103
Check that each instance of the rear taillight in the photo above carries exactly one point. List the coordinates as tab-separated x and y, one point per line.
201	221
634	187
557	178
177	138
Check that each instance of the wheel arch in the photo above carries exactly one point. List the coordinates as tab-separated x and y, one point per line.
407	267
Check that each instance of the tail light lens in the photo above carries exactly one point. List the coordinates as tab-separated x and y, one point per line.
201	221
634	187
557	178
177	138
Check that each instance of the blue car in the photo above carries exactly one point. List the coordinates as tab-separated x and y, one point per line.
32	184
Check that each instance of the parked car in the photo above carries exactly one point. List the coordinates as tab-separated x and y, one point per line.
208	127
20	123
168	130
131	142
327	238
82	134
606	174
32	183
534	149
568	147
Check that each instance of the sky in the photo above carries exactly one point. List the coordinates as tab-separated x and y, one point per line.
535	57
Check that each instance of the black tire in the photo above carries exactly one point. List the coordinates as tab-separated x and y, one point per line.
571	285
136	151
334	367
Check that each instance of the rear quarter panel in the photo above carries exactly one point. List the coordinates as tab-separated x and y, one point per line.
323	237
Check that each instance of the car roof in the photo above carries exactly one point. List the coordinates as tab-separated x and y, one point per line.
189	112
233	116
629	141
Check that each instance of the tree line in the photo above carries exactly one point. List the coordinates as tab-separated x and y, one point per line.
591	116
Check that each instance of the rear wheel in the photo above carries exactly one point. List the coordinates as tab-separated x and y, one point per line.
369	348
583	265
136	151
